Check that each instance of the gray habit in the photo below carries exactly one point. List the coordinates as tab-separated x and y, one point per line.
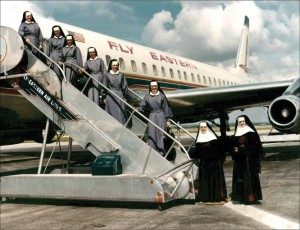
117	83
96	68
31	31
159	112
54	51
71	55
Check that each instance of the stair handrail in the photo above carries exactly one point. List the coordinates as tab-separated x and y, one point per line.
52	61
173	123
131	107
134	110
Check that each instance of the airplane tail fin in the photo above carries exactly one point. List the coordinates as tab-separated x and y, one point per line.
242	58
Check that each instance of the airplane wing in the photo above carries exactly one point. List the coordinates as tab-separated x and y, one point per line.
196	104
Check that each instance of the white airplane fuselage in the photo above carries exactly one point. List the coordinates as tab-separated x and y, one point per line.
140	65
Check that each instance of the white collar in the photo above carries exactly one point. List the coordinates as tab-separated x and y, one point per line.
114	72
152	94
94	58
69	46
29	22
58	37
206	137
242	130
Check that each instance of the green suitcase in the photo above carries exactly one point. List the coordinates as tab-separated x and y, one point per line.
107	165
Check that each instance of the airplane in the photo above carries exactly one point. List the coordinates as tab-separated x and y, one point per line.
195	90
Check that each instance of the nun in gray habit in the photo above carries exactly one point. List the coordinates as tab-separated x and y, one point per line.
54	49
71	54
95	67
157	104
117	83
30	31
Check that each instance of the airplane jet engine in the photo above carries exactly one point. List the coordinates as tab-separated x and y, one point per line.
284	111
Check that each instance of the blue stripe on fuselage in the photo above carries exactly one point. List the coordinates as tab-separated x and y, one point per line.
132	82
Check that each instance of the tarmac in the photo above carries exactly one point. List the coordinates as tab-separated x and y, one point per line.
279	208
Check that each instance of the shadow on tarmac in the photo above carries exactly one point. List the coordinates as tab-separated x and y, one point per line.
100	204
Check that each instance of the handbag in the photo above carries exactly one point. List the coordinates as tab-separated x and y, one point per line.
80	81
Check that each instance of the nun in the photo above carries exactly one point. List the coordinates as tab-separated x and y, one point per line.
156	104
246	154
117	83
210	155
71	54
31	32
96	68
54	49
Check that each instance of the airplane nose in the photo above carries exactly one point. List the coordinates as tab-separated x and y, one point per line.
12	48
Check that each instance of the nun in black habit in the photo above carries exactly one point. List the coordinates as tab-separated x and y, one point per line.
156	103
96	68
30	31
117	83
246	154
210	155
54	49
71	54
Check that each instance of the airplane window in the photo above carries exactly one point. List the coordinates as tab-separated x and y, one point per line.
108	58
179	74
122	63
154	69
133	66
204	79
172	73
144	67
193	78
209	79
199	78
227	82
163	71
224	82
219	82
215	82
185	76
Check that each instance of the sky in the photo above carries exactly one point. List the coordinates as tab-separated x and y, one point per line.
205	31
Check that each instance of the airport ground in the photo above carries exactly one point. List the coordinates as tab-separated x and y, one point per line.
279	208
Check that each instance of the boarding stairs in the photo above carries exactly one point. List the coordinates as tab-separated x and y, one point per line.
147	176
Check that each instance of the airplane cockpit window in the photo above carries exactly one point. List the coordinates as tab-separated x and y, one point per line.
163	71
224	82
215	81
154	69
193	78
219	82
133	66
122	63
209	80
185	76
204	79
144	67
179	74
172	73
107	58
199	78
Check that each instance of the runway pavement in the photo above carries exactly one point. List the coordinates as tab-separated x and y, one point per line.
278	210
